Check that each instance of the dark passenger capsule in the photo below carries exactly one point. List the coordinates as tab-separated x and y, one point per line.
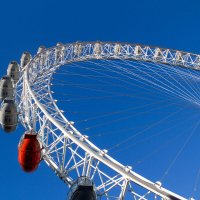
82	189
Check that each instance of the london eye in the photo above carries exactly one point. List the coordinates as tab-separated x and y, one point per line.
28	91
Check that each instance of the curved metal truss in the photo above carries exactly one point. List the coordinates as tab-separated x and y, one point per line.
69	153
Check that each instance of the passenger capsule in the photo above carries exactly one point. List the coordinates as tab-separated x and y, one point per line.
178	56
6	87
43	55
137	50
8	115
77	49
97	49
13	71
117	49
157	54
59	52
25	59
29	152
82	189
40	49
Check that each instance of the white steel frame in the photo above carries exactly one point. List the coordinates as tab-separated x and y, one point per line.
69	153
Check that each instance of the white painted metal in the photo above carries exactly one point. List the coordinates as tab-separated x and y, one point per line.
69	153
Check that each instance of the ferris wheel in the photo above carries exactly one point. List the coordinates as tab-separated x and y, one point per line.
87	170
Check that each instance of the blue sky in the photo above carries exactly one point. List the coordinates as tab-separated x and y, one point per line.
25	25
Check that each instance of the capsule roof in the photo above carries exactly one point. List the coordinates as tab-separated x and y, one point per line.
59	44
13	65
26	54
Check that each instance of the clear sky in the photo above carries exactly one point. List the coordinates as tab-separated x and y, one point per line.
25	25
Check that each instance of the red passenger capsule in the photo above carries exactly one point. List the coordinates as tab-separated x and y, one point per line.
29	153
